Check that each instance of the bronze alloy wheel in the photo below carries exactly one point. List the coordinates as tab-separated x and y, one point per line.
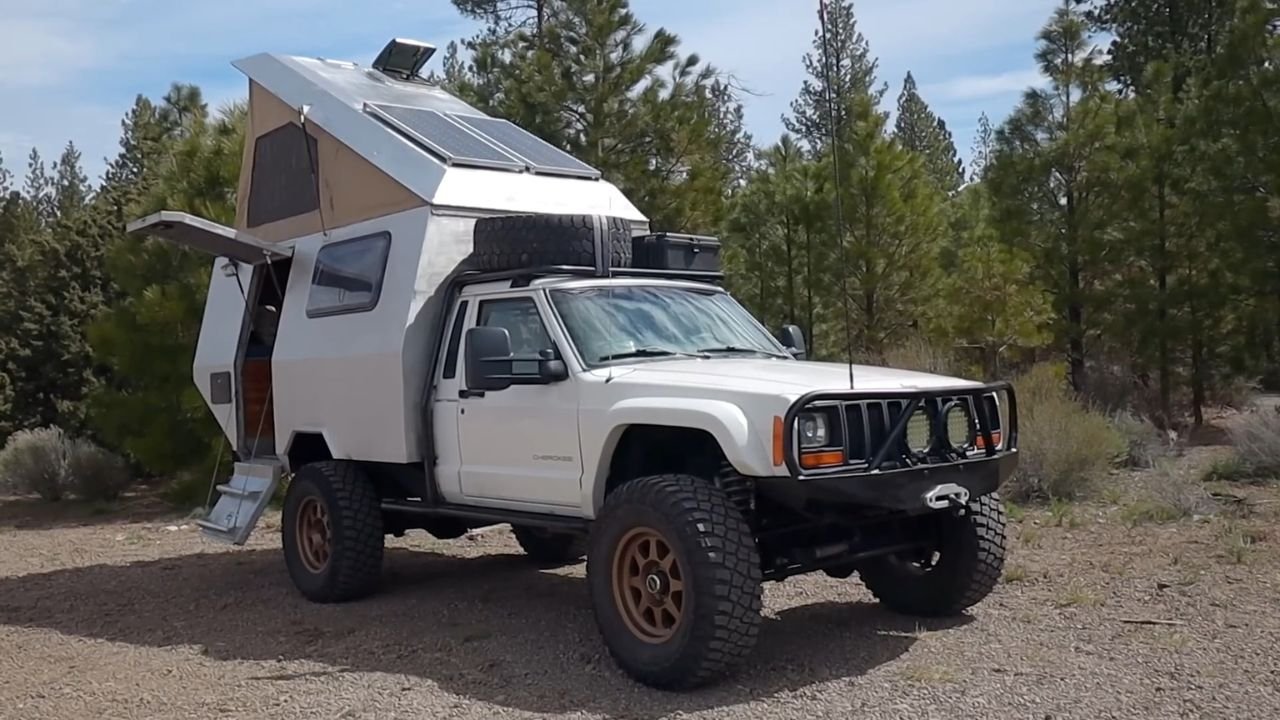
648	585
315	539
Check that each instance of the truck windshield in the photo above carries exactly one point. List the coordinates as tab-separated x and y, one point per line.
610	324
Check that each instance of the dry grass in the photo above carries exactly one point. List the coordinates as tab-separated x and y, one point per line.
1239	541
1167	493
1075	595
1015	573
929	674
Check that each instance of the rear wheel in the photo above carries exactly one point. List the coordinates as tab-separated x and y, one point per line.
332	532
959	566
547	546
675	581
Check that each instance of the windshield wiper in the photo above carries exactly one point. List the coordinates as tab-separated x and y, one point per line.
650	352
739	349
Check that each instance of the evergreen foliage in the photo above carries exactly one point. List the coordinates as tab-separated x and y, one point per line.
1123	220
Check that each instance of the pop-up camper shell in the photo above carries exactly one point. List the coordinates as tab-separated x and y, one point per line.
335	154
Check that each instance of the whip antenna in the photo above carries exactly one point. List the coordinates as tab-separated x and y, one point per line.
839	203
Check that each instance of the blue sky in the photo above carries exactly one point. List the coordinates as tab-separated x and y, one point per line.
69	69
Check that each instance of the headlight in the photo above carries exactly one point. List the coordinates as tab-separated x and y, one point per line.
813	429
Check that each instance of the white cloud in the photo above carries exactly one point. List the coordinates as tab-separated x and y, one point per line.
980	87
37	51
69	69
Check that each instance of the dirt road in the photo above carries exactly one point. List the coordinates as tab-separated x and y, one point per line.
103	617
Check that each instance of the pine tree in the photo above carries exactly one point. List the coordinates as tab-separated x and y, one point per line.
1051	183
984	144
1181	34
989	301
508	14
146	339
893	228
839	66
917	129
602	85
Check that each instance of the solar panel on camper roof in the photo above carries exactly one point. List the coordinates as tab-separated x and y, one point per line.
446	137
540	154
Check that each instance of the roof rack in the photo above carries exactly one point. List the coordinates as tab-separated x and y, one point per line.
522	277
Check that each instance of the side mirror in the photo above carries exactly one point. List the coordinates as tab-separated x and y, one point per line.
488	358
491	366
551	368
793	340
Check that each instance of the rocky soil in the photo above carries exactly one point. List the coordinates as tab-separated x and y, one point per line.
130	614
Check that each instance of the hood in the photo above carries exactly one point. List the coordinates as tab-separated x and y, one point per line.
783	377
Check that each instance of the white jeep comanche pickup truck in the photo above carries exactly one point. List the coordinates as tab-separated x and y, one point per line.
417	339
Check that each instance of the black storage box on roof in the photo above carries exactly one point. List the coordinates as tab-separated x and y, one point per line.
674	251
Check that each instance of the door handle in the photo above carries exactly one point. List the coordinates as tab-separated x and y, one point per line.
465	393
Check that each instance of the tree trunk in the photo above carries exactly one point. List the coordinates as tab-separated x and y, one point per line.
787	241
1162	307
809	282
1075	328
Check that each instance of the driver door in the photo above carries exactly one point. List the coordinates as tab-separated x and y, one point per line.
520	445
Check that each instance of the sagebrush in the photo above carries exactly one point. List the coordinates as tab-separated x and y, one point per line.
1146	443
1256	437
49	463
1064	446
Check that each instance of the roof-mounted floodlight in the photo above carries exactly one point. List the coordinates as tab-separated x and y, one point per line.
403	59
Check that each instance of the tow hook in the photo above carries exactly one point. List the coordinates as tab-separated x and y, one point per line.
947	495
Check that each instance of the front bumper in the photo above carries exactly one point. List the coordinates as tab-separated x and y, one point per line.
907	489
881	471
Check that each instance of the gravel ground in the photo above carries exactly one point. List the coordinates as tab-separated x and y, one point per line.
135	616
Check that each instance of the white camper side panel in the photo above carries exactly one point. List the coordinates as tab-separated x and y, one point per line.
222	331
449	241
341	375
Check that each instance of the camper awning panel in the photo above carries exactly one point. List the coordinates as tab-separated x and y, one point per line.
206	236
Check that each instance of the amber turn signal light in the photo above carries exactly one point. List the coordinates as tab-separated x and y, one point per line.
982	445
778	453
822	458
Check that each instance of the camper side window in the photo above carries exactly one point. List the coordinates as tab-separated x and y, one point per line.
348	276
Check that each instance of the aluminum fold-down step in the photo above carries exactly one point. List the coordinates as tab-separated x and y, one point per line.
241	501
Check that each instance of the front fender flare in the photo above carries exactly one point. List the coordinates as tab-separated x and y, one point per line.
725	421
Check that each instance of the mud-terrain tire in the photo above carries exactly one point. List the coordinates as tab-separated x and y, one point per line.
525	241
332	532
969	559
710	554
547	547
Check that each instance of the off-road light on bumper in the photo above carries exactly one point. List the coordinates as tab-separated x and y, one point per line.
919	431
959	423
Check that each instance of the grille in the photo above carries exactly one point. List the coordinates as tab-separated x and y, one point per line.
869	422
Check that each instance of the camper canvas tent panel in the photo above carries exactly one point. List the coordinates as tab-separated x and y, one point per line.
335	97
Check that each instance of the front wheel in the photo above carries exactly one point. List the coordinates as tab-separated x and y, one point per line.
959	565
675	581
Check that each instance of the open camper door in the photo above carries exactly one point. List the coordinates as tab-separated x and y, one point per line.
232	363
205	235
234	284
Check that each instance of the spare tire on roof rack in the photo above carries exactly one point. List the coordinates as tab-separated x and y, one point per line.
512	242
